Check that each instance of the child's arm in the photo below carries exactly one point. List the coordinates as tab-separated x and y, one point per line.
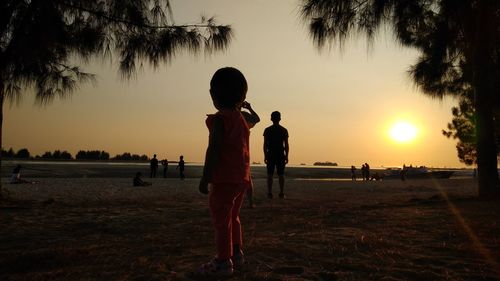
251	118
215	143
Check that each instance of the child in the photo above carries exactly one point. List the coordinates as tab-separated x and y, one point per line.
227	169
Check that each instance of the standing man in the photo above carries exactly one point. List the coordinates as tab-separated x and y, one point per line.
154	166
180	167
276	153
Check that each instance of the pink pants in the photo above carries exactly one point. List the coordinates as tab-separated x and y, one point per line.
225	202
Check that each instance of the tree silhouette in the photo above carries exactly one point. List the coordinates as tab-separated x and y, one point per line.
457	39
463	129
23	153
41	42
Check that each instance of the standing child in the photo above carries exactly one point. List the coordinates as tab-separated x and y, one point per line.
227	169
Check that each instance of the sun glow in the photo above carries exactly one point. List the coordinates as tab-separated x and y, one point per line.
403	131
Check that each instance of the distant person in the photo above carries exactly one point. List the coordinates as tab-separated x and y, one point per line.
367	171
154	166
251	118
276	151
353	173
164	163
180	167
227	170
376	177
363	172
138	181
403	173
16	176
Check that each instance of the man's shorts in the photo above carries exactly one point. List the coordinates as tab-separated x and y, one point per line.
278	163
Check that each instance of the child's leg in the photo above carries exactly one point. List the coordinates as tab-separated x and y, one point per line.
221	201
235	216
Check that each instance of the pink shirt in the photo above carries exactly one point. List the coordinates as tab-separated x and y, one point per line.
233	164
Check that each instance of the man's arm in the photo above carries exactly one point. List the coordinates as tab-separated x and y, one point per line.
215	143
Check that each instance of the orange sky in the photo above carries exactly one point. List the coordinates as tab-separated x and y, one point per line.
337	106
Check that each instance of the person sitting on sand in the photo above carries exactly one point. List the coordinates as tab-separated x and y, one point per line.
227	170
16	176
252	118
138	181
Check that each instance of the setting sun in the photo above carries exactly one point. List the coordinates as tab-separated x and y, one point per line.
403	131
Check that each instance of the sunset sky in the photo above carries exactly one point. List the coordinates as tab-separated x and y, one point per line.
338	106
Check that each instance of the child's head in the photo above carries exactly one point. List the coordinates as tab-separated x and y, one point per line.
228	88
181	157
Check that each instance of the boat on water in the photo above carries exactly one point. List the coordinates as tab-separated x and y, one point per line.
421	172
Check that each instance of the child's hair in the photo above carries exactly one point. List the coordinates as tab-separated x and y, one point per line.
228	87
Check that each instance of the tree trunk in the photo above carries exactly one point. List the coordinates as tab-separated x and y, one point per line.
1	136
484	101
486	145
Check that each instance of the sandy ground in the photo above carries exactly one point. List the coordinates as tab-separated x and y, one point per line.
105	229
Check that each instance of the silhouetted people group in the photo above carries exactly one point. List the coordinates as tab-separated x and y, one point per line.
365	171
153	164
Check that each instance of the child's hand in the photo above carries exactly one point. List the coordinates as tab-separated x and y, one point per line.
246	105
203	186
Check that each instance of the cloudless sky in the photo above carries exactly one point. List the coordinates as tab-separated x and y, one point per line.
337	105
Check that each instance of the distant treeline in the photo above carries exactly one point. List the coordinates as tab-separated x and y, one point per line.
24	153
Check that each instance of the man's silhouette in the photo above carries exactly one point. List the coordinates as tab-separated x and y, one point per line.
276	153
154	166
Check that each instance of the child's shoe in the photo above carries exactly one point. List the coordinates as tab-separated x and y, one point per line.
216	268
238	259
282	195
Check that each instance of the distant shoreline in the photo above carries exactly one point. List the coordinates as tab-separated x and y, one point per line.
127	169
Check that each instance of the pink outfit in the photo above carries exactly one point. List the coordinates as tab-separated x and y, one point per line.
230	179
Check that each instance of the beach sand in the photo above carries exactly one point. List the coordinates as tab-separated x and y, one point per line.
105	229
